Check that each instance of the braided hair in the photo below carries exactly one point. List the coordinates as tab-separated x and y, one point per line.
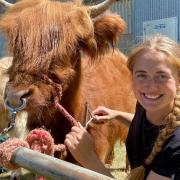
172	50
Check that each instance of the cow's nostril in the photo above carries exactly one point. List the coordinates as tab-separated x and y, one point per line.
17	108
22	94
15	99
26	95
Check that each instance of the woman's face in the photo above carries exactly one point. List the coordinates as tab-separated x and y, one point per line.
155	81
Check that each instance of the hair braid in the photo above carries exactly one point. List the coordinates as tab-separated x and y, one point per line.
161	139
173	120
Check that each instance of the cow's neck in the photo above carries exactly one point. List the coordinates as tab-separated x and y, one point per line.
71	93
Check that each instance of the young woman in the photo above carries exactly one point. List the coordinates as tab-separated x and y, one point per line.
153	142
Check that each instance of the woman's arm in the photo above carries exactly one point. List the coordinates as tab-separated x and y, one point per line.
81	146
125	117
102	113
154	176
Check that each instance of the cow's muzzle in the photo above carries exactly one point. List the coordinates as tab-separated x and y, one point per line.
16	109
16	101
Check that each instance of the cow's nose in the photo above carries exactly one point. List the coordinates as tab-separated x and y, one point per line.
15	99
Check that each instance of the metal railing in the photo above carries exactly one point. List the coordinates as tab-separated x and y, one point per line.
52	168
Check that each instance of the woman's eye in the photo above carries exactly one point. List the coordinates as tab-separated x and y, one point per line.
141	76
162	77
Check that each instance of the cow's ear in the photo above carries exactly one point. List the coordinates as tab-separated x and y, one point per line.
107	30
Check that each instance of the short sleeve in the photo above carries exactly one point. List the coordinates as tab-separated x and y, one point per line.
167	163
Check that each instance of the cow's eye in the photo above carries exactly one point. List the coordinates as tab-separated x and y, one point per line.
55	79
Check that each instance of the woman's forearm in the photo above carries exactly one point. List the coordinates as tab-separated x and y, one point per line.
81	145
102	113
96	165
125	117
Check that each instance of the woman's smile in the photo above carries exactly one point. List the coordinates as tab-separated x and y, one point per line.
151	99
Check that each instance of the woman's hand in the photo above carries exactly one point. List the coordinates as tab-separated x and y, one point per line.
80	144
102	113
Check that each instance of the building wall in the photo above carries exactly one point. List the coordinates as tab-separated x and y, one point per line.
146	10
125	9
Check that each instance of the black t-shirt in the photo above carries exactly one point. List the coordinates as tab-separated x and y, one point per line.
139	143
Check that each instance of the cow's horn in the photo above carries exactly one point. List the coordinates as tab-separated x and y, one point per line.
5	4
100	8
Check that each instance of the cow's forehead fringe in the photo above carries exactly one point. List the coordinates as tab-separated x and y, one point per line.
46	28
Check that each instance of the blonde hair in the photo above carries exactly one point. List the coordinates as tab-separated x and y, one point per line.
172	49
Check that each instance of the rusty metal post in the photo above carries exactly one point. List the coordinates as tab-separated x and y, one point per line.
53	168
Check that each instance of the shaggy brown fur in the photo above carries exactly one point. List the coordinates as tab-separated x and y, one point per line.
61	40
4	64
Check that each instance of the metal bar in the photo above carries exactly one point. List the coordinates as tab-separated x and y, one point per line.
52	168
